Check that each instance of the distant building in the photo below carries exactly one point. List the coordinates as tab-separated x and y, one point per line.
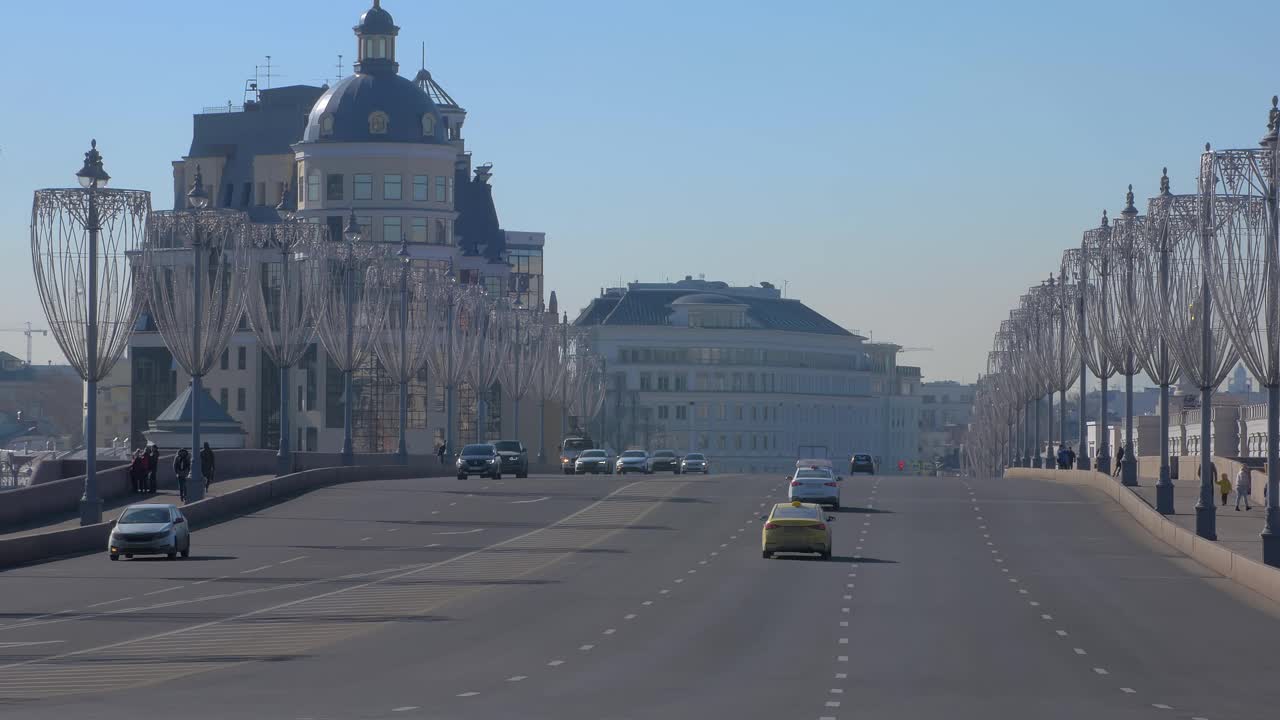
747	376
945	408
40	405
392	151
115	405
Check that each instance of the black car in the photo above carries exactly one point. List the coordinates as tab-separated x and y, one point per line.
862	463
664	460
514	457
479	459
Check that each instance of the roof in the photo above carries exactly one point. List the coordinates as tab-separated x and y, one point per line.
477	224
376	21
705	299
353	99
179	411
653	307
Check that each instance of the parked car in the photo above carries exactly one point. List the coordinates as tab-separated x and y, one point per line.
695	462
150	529
479	459
633	461
513	456
664	460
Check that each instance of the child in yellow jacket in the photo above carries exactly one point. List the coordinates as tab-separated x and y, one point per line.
1224	487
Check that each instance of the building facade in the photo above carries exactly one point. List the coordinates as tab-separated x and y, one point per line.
391	151
946	406
748	377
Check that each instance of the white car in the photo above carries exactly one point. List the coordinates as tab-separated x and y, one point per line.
633	461
151	529
815	485
594	461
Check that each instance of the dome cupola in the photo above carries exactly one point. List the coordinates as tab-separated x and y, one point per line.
376	41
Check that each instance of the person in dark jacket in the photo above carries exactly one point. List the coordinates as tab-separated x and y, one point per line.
206	465
181	470
138	472
151	457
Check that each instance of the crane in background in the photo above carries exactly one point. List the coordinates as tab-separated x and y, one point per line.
28	331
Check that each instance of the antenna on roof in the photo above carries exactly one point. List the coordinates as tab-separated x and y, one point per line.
268	71
340	75
424	54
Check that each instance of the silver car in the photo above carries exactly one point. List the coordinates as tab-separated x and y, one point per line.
595	461
695	463
633	461
151	529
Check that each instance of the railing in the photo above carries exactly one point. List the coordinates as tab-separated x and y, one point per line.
215	109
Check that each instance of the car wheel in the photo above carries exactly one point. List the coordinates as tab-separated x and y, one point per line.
524	474
766	554
462	476
826	554
172	556
115	556
186	551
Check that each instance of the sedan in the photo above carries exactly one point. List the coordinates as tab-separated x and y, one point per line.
513	457
695	462
150	530
479	459
633	461
593	461
796	527
665	460
816	486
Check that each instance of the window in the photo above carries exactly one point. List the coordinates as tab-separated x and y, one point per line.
664	382
428	125
363	189
240	397
645	381
241	356
226	359
326	125
313	186
682	412
224	398
377	123
262	194
663	412
375	47
442	188
313	439
390	187
391	229
441	236
419	234
333	186
420	188
366	224
680	383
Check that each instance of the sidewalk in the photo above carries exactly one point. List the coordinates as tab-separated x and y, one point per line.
1237	531
112	509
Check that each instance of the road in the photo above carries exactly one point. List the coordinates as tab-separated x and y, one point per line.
644	597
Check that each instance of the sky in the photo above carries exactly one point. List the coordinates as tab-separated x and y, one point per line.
907	169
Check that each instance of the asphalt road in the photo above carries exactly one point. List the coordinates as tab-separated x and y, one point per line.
644	597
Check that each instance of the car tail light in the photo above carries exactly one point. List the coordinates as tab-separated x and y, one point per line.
820	526
771	526
795	483
830	484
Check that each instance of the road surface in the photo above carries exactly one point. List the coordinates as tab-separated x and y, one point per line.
644	597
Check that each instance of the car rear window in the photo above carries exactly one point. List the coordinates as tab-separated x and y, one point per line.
862	458
812	474
791	512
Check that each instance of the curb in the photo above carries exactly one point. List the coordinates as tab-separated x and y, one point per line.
1256	576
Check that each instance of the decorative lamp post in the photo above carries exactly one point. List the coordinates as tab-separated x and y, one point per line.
550	376
1241	195
521	368
199	273
89	261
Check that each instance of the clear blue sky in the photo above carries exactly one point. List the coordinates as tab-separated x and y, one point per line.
907	168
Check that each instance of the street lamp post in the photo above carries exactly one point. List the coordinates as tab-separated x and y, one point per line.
402	447
91	175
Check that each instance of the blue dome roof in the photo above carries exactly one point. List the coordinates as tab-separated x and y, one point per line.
354	99
376	21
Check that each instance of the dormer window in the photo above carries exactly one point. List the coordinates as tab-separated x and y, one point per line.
428	125
378	123
326	125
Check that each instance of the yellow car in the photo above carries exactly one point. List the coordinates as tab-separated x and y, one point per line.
796	527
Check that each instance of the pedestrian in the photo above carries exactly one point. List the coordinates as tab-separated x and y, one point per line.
206	465
138	472
1119	460
1224	488
1244	486
1071	457
151	458
440	451
181	469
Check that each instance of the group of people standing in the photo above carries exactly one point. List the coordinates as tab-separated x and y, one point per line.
142	469
1066	457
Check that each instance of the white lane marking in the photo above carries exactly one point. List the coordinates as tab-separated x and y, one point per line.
454	503
303	557
1061	633
1128	691
848	585
462	532
157	592
469	693
209	580
629	616
724	545
109	602
366	539
848	597
435	512
29	643
842	676
701	562
1023	591
733	537
844	641
406	708
679	580
647	602
1101	671
1161	706
844	610
833	703
388	530
842	658
1080	651
526	502
585	648
254	570
1013	580
1046	617
663	591
837	691
610	631
556	663
844	623
714	553
517	678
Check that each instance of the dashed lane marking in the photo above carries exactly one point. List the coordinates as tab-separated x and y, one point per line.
461	532
526	502
406	708
254	570
1061	633
1128	690
585	648
469	693
157	592
1101	671
304	557
1161	706
517	678
366	539
1079	651
110	602
555	663
629	616
610	631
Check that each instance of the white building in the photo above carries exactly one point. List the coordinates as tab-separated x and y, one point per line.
750	378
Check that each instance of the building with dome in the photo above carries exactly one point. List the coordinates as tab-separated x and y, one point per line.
390	150
747	376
